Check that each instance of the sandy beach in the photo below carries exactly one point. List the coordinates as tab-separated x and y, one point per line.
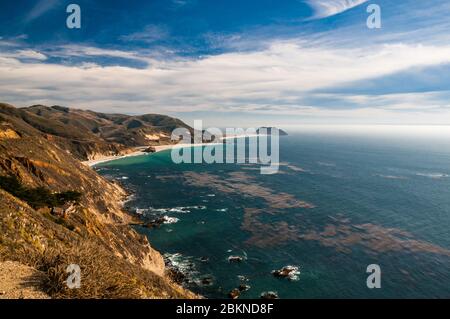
159	148
112	158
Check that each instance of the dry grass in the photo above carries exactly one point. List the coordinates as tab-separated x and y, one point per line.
103	276
49	245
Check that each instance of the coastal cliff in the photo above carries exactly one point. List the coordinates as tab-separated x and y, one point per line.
89	135
55	211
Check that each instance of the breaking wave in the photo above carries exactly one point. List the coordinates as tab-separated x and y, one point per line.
433	175
162	211
184	266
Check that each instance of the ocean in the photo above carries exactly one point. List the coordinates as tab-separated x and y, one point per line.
343	199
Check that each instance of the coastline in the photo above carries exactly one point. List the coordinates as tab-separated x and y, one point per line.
105	159
173	269
138	152
168	272
158	148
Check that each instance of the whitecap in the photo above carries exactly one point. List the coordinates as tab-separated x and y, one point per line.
159	210
326	164
180	209
184	265
433	175
390	176
170	220
164	211
129	198
141	211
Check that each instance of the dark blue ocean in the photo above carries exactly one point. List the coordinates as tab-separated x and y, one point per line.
342	200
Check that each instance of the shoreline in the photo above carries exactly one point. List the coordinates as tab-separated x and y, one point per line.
158	148
172	268
105	159
138	152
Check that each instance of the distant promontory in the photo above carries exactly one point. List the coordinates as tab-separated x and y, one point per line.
271	130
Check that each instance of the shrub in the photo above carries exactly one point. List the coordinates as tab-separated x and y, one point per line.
37	197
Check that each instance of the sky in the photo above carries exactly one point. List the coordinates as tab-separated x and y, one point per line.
232	63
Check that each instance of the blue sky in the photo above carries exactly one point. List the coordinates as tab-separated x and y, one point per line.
241	62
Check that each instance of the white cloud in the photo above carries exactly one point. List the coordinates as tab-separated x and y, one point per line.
88	51
25	55
327	8
282	79
31	54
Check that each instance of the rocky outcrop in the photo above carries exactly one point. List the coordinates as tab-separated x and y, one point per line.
269	295
235	259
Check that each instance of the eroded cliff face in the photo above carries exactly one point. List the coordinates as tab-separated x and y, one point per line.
98	218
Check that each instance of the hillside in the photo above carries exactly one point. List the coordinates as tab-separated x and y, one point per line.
18	281
88	135
90	229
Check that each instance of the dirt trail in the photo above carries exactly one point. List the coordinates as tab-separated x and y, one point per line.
18	281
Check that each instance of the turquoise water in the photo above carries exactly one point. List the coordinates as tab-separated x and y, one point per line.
339	203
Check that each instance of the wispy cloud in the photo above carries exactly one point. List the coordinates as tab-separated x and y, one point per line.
8	43
14	53
151	33
42	7
182	3
75	50
328	8
30	55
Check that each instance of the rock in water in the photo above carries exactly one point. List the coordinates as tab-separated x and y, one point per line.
290	272
234	294
156	223
207	281
235	259
269	295
243	287
150	149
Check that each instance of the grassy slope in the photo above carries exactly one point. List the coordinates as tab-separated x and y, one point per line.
85	133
